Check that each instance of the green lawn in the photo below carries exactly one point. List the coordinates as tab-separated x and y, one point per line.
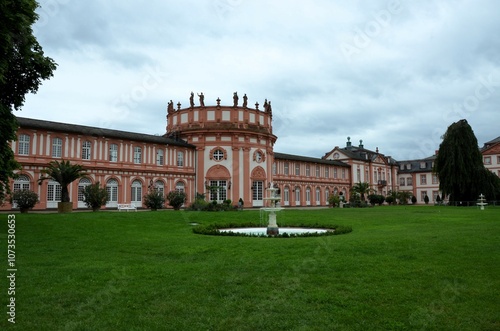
402	268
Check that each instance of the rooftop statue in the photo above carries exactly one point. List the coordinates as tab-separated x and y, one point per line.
235	99
191	100
245	100
170	107
202	99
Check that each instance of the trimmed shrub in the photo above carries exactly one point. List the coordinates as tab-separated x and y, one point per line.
24	199
176	199
95	196
155	199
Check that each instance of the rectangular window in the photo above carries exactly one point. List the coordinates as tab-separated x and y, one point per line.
159	157
409	181
285	168
57	147
180	159
358	175
434	195
308	170
327	172
343	173
218	190
423	165
86	150
423	194
435	179
317	171
24	144
423	179
401	182
498	159
137	155
297	169
487	160
274	168
335	175
113	153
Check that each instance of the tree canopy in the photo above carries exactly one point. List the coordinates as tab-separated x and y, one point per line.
459	165
23	66
64	173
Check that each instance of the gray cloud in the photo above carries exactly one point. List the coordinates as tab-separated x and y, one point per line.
395	74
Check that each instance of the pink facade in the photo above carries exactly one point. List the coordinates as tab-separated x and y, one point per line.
224	152
126	163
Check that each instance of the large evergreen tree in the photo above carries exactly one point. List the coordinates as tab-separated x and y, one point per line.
459	164
22	68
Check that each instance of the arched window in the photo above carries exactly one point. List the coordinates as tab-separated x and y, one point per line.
308	196
24	144
180	187
22	183
53	194
136	194
318	196
86	150
84	182
160	186
297	196
286	196
112	189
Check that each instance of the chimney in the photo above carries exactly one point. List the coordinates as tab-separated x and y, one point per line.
376	150
348	144
361	143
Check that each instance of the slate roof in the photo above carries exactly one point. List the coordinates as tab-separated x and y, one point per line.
291	157
98	132
416	165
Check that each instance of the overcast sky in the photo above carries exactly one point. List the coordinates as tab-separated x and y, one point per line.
395	74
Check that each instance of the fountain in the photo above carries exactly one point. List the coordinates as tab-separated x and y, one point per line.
274	199
481	201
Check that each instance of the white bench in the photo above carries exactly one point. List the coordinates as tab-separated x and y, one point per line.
126	206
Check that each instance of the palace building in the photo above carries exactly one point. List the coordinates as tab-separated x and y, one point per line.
228	147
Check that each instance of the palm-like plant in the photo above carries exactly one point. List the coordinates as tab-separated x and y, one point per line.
362	189
64	173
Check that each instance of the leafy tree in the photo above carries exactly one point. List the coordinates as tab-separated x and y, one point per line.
413	199
24	199
362	189
376	199
154	199
95	196
459	164
22	68
176	199
404	196
64	173
491	185
333	200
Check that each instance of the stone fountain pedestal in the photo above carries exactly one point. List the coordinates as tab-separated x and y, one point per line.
273	198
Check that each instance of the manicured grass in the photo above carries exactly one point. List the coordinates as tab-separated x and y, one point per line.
402	268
